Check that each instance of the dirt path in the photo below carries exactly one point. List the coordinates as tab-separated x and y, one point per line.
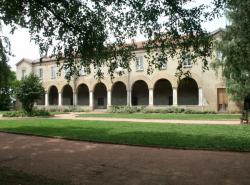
220	122
84	163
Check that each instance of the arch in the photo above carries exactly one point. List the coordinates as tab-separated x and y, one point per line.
188	92
100	96
119	94
53	95
140	93
163	92
140	78
67	95
173	80
83	95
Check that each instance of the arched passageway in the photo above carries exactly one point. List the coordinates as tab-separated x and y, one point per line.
53	95
83	95
41	101
163	93
67	95
119	94
100	96
140	94
188	92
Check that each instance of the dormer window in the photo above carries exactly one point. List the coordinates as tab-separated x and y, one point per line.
139	63
187	63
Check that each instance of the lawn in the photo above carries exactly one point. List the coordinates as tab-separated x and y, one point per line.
13	177
179	116
211	137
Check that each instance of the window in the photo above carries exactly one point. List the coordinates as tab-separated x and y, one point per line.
163	65
139	63
187	63
53	72
83	71
40	73
23	73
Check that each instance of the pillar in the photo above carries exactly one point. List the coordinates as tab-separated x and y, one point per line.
175	97
75	101
91	99
46	99
59	99
129	98
151	97
200	97
109	98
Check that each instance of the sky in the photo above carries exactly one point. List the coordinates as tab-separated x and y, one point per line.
23	47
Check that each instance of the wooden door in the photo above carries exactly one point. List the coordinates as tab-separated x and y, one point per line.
222	100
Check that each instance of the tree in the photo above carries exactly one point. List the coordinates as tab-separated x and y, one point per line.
6	75
28	90
86	32
235	49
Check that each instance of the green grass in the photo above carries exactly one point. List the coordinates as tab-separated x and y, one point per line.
212	137
179	116
13	177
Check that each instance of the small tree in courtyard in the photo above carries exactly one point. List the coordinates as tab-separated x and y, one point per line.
28	90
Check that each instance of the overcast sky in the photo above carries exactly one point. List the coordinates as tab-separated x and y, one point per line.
22	47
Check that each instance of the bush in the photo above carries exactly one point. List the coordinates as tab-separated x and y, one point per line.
143	109
126	109
35	113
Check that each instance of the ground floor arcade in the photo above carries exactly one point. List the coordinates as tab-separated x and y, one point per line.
138	94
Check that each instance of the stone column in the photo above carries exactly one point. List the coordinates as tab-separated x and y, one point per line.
175	97
109	98
200	97
91	105
151	97
46	99
128	98
75	101
59	99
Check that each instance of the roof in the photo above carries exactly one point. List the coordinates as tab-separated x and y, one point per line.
139	45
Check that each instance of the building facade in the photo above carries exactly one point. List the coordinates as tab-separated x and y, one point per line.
203	91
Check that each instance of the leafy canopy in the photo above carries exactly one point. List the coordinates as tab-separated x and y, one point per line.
235	49
85	32
28	90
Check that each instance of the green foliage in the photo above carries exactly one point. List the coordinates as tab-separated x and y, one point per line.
125	109
143	109
28	90
235	47
84	29
34	113
6	75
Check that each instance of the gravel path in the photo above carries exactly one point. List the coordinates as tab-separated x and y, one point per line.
83	163
220	122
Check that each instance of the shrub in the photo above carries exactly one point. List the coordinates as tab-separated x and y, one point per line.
125	109
34	113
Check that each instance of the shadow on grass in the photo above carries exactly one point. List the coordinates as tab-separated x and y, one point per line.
169	138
